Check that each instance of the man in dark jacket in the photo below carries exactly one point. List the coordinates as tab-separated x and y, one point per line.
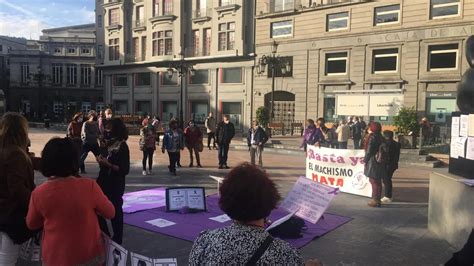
256	138
394	151
224	133
356	130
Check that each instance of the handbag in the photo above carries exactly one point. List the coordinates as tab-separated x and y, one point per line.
291	228
200	146
31	249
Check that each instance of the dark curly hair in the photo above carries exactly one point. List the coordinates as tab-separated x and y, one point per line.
248	194
59	158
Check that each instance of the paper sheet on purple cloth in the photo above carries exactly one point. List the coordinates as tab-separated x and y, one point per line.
188	226
144	200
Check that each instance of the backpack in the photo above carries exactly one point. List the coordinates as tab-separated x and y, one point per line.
383	153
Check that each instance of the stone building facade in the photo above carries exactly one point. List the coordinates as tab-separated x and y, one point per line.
364	58
55	76
140	40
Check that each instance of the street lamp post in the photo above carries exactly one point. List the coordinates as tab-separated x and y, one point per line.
39	77
273	62
182	68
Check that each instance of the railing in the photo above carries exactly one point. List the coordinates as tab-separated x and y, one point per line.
226	2
275	6
202	13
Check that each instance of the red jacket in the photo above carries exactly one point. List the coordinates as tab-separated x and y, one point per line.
192	136
66	209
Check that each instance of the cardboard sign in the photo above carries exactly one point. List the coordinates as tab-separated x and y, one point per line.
309	199
343	169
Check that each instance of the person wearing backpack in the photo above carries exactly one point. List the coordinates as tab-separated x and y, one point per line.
394	150
376	160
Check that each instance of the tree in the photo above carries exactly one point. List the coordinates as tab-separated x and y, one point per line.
406	121
262	116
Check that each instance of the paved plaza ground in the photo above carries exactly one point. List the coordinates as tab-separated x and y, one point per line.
395	234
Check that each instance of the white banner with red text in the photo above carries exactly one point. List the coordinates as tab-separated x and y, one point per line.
343	169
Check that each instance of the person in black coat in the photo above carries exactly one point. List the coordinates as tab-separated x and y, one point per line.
374	170
256	138
224	133
394	151
113	169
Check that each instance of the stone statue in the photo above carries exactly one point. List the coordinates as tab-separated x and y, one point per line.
465	98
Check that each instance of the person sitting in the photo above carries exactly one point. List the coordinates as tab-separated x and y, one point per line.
66	208
247	207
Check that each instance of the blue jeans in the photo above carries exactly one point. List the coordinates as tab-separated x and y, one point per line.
222	153
86	148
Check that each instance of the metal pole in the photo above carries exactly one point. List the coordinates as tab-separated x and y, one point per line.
181	117
272	116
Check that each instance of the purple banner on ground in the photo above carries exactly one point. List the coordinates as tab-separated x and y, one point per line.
188	226
144	200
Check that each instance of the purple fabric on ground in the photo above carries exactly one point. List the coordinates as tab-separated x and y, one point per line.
144	200
188	226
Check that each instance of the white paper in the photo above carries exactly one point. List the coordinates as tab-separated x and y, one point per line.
470	149
161	223
116	254
280	221
471	126
467	182
165	262
140	260
455	127
464	125
309	199
196	199
460	145
221	218
452	148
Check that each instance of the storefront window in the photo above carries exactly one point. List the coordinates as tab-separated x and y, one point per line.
169	111
199	112
234	110
441	107
330	109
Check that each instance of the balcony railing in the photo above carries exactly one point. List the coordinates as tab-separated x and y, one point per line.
276	6
202	13
226	2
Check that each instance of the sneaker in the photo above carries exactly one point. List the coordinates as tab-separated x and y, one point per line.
221	167
148	172
386	200
144	172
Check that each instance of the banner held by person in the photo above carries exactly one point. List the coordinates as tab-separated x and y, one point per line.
343	169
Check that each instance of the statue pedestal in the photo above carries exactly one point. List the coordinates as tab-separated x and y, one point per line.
451	208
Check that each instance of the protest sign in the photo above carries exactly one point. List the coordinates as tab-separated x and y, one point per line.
343	169
116	254
140	260
309	199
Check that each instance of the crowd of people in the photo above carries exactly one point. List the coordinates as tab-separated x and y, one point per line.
382	152
95	206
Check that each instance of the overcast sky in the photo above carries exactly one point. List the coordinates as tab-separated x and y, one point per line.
26	18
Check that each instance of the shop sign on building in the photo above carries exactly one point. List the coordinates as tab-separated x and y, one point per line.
385	105
352	105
